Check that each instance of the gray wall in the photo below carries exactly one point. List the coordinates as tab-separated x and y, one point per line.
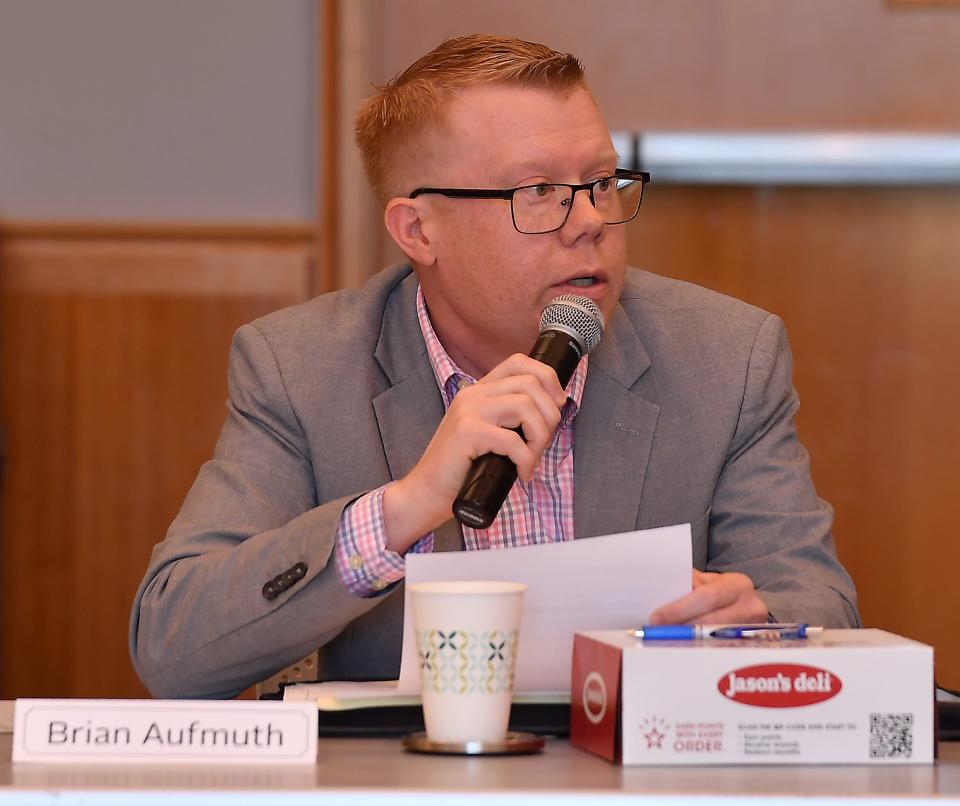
157	109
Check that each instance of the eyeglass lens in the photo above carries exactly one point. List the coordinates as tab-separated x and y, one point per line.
544	208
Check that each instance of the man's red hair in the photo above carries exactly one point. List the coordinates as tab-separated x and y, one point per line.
415	99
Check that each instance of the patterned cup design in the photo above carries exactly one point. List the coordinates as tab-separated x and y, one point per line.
457	661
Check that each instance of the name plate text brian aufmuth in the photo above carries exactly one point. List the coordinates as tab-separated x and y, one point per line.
204	731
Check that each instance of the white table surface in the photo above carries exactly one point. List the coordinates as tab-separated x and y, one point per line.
378	771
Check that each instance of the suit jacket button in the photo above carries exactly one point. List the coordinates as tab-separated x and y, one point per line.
270	590
300	569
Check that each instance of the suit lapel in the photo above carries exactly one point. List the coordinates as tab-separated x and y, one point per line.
407	415
614	434
410	410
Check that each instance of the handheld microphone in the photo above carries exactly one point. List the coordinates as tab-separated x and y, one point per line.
570	327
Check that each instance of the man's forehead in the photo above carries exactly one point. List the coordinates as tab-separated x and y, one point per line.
505	105
509	129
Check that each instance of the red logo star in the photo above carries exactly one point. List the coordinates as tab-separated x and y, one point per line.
654	738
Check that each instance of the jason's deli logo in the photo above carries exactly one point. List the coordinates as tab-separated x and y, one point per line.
779	685
594	698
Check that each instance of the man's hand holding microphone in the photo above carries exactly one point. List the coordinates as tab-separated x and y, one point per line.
494	430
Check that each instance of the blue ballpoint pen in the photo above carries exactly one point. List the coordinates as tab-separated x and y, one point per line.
690	632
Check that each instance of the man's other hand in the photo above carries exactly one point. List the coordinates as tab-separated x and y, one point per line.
715	599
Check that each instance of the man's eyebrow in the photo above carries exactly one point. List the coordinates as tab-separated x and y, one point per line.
523	168
516	171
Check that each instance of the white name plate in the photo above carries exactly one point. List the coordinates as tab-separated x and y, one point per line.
138	731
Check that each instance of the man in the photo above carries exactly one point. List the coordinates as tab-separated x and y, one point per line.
353	419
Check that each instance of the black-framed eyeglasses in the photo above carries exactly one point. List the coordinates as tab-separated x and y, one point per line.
537	209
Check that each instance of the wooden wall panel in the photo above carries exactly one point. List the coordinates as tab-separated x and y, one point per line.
113	360
741	64
867	283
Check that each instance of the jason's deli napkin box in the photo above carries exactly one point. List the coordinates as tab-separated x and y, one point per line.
841	697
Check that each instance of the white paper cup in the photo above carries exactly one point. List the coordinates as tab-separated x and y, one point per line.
467	650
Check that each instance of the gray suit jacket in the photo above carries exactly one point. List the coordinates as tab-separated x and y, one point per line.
687	416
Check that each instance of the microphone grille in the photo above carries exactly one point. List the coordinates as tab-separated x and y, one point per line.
578	316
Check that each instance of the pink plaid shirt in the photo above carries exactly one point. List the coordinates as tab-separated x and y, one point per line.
540	511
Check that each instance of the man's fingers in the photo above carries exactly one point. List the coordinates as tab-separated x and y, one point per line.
519	385
732	614
687	609
491	439
523	409
508	412
520	365
703	577
716	599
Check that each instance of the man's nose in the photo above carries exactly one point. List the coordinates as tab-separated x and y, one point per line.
584	216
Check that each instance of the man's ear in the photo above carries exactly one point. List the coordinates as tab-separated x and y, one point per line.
403	219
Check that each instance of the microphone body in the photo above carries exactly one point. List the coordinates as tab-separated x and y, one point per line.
570	327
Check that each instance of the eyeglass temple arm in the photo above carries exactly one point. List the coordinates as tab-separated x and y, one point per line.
465	193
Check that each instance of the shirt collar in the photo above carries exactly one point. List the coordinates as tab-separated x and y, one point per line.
451	379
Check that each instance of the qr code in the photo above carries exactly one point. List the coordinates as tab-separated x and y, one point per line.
891	735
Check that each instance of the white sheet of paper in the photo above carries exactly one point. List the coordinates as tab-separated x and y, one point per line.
600	583
345	690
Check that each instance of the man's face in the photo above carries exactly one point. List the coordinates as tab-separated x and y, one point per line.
489	283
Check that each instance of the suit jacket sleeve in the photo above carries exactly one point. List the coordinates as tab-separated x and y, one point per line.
766	520
201	624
